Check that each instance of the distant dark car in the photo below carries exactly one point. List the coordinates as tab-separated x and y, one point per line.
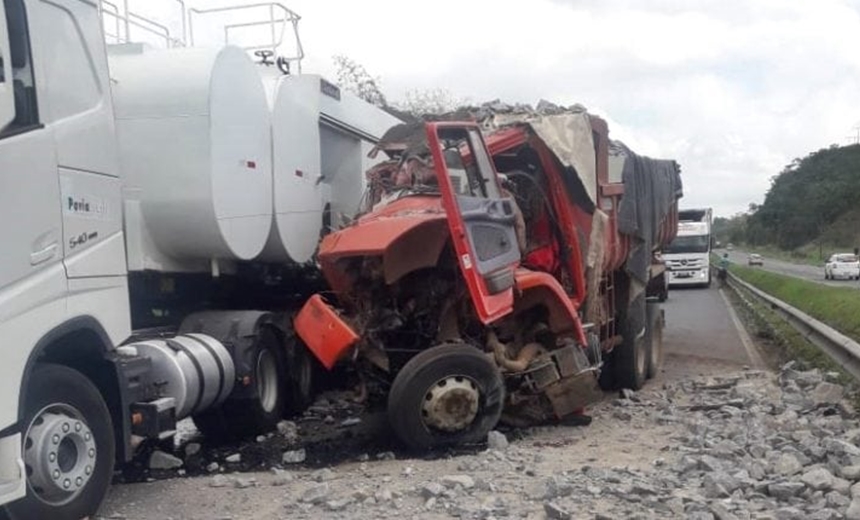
755	259
842	265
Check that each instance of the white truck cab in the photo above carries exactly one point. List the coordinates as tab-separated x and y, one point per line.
688	256
114	320
62	270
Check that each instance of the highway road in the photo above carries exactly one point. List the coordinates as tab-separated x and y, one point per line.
703	334
813	273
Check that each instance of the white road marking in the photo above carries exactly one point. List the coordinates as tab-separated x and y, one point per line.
752	353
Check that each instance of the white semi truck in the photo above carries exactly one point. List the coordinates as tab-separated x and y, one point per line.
688	256
157	206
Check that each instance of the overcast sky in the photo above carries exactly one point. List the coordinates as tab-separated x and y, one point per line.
731	89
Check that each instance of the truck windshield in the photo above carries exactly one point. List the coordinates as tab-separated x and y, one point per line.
689	244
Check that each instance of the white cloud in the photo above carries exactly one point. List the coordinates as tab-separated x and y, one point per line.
731	89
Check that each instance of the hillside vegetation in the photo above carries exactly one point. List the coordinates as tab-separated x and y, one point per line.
813	203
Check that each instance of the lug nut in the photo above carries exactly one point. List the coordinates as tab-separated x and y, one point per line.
56	474
79	481
52	457
66	427
88	470
77	427
92	453
56	438
87	436
67	483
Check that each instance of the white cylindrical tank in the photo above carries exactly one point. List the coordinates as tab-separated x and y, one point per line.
320	138
297	182
195	144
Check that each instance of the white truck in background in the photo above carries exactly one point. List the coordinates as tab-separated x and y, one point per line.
688	257
157	206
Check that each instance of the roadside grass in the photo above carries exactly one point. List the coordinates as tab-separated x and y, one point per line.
784	343
838	307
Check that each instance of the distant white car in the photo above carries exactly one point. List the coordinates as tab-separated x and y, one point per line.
842	265
755	259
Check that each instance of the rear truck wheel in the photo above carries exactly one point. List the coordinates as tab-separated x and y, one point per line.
447	395
654	339
239	417
68	448
630	359
301	369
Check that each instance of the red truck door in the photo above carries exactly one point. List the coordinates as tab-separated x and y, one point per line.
481	219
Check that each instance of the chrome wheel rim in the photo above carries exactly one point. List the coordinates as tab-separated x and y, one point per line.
60	454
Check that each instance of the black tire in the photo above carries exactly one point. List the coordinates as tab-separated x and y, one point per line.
237	417
56	391
302	369
630	359
428	370
654	339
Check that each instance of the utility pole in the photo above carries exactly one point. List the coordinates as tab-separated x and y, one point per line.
855	137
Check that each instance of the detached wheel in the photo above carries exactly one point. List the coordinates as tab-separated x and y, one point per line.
630	359
239	417
654	339
446	395
68	447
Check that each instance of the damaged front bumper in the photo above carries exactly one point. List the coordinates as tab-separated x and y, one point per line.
324	332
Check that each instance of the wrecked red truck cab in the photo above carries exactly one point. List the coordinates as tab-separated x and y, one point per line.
458	293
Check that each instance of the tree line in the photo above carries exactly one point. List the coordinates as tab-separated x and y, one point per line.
812	200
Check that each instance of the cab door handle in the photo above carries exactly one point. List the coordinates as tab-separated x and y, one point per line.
43	255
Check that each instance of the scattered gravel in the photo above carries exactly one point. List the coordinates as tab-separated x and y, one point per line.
739	446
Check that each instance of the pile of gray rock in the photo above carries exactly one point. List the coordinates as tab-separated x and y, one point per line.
745	446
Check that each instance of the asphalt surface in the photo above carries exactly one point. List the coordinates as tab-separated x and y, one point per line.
812	273
702	335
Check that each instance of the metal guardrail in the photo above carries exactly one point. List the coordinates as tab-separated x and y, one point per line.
838	346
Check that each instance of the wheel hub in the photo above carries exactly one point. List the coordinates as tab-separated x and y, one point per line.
60	454
451	404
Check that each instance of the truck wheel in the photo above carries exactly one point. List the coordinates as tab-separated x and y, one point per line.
654	339
630	359
68	446
300	383
446	395
237	418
